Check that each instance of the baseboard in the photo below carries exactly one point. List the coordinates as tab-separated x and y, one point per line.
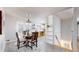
8	41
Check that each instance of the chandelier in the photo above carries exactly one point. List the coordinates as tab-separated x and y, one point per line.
28	23
28	20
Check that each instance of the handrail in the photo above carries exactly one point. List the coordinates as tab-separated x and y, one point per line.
57	40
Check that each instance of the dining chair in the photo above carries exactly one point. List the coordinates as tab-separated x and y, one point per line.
34	39
20	40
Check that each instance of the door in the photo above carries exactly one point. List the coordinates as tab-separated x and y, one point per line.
0	22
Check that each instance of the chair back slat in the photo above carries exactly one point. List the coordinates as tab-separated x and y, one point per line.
17	37
34	35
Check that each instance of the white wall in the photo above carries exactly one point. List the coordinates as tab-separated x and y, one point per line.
10	24
66	33
57	29
78	27
66	26
78	31
74	33
39	21
69	29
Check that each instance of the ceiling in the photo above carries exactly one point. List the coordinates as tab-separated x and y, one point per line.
38	11
66	14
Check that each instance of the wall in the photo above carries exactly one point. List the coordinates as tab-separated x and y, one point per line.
66	26
66	36
74	33
69	29
57	30
78	30
39	21
10	24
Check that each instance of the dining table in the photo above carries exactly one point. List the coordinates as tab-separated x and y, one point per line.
28	38
31	39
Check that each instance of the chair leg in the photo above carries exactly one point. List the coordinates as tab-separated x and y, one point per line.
31	45
27	44
31	48
24	42
36	44
18	45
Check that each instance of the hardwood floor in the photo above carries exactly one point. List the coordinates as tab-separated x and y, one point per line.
43	46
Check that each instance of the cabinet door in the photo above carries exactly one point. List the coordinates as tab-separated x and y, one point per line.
0	22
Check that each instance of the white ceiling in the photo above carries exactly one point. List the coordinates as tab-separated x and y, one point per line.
38	11
66	14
